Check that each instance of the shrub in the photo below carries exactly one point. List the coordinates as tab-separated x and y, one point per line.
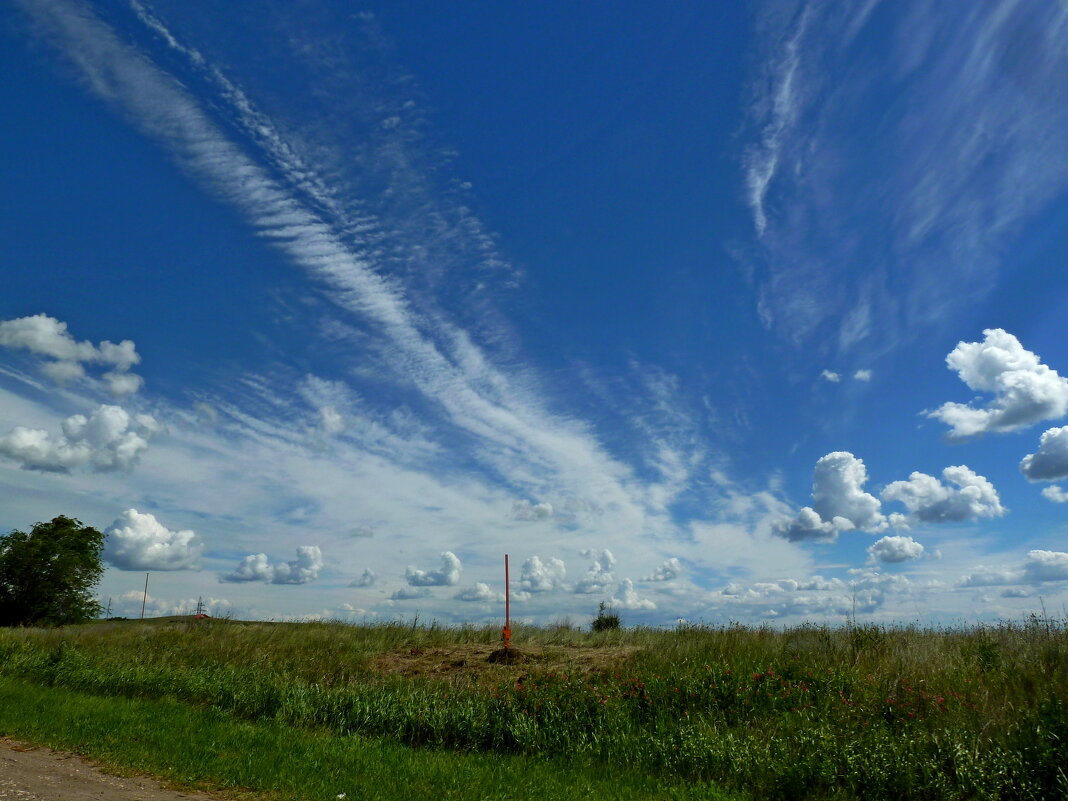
606	619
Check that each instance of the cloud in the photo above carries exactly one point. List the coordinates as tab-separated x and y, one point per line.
862	375
1040	566
527	511
895	549
831	376
330	421
866	592
46	336
839	502
775	115
137	541
122	384
409	594
1015	592
1055	494
479	592
984	576
108	440
538	576
599	576
255	567
934	212
487	404
1025	390
1045	566
807	525
669	570
837	493
627	598
1050	462
448	575
366	579
930	501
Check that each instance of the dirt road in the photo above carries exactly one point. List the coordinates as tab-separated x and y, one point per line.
28	773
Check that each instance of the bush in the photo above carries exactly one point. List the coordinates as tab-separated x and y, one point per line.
606	619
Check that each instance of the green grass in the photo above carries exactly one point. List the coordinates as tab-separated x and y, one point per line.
810	712
206	749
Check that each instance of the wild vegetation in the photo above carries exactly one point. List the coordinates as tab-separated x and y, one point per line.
809	712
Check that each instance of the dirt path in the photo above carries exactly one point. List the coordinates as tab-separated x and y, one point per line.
28	773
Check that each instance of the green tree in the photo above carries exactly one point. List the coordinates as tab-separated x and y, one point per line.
47	576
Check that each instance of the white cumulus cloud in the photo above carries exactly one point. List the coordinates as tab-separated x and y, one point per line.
599	576
109	439
839	502
1050	462
366	579
1039	566
409	594
480	591
628	598
539	576
862	375
1025	390
256	567
1055	494
46	336
831	376
138	541
669	570
448	575
1046	566
930	501
895	549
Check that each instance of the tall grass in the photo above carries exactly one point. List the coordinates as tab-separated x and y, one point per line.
204	749
809	712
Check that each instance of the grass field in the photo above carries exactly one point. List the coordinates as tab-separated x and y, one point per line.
760	713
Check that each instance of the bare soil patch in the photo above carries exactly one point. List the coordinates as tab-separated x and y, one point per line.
29	773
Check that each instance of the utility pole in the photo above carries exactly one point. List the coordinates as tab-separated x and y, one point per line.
507	631
145	600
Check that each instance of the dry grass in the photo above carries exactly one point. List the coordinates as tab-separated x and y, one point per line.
469	662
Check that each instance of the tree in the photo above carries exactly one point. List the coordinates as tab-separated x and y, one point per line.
46	576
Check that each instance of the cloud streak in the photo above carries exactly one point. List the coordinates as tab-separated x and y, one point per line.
932	217
453	374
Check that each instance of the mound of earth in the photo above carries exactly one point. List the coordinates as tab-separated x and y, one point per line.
506	656
476	660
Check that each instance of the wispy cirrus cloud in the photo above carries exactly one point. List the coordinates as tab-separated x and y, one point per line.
442	361
963	104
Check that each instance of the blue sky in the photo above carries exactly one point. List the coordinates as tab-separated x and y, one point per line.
709	312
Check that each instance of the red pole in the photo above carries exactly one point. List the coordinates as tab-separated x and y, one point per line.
507	632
